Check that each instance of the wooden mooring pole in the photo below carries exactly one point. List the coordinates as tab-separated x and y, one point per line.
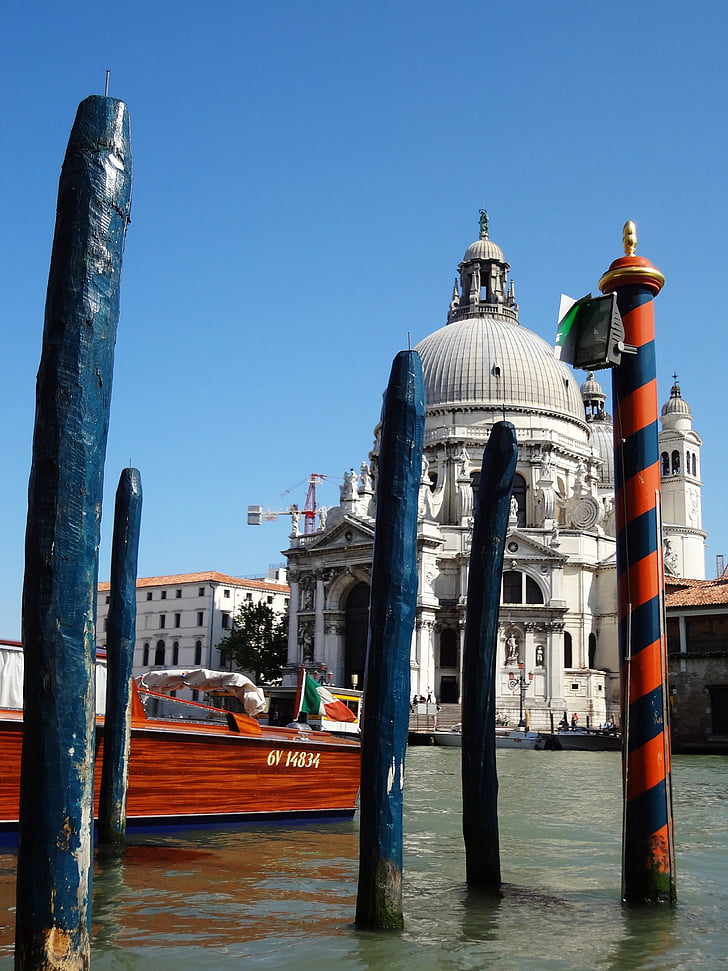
391	622
648	864
479	776
62	537
120	640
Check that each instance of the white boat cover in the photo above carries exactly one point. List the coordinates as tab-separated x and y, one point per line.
12	664
202	679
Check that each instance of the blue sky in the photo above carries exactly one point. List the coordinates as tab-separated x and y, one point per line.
307	177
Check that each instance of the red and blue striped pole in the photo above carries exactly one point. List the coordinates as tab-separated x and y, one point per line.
648	863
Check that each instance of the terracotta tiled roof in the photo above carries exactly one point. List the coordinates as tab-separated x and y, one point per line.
211	576
696	593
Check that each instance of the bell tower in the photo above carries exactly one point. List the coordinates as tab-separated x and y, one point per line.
681	485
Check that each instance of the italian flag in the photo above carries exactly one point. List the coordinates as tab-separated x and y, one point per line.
316	700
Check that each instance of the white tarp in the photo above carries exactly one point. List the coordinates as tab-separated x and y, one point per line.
11	679
202	679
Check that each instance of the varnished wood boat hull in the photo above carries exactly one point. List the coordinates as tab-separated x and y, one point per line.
192	774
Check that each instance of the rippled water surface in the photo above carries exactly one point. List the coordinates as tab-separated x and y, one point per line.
284	897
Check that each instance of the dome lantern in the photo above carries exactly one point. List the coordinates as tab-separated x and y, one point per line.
483	275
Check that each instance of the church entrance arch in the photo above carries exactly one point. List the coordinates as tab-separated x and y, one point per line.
356	627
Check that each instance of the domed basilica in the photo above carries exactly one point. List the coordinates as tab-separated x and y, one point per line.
558	615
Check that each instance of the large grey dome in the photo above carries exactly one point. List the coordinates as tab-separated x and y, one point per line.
488	360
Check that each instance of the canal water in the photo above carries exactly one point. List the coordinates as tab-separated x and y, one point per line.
284	897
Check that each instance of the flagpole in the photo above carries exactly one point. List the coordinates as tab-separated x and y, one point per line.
299	693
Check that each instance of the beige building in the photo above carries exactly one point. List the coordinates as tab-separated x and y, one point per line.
181	619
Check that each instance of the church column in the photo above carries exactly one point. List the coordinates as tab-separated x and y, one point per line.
318	628
555	667
293	657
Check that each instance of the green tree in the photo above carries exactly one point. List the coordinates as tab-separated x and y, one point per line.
258	642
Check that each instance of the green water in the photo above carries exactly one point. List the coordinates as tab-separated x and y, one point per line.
280	897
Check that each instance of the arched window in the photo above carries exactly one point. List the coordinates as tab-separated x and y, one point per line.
592	650
676	463
449	648
519	494
145	654
159	653
519	588
533	591
695	473
665	463
475	485
568	653
175	653
198	652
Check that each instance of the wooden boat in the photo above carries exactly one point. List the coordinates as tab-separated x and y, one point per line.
210	767
504	738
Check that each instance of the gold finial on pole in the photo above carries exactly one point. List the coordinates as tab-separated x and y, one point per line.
629	238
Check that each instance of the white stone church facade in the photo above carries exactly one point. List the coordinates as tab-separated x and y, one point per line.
558	615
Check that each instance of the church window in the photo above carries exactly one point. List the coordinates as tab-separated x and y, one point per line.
159	653
519	494
592	650
694	466
519	588
475	485
145	654
200	618
512	587
162	621
676	463
175	653
533	592
665	463
448	649
433	481
568	652
198	652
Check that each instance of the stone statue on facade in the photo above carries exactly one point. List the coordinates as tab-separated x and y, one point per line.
366	478
511	649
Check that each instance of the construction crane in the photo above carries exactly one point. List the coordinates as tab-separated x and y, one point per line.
257	515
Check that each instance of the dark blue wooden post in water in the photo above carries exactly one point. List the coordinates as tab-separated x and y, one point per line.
120	638
391	622
62	537
480	779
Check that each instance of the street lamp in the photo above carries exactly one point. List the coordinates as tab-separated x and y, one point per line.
517	679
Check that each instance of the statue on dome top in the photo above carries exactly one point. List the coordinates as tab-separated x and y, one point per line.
483	224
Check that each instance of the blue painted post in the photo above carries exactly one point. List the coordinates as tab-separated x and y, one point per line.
120	639
62	537
391	622
479	775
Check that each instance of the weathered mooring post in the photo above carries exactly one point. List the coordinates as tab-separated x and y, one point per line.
480	779
62	537
120	640
391	622
648	862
